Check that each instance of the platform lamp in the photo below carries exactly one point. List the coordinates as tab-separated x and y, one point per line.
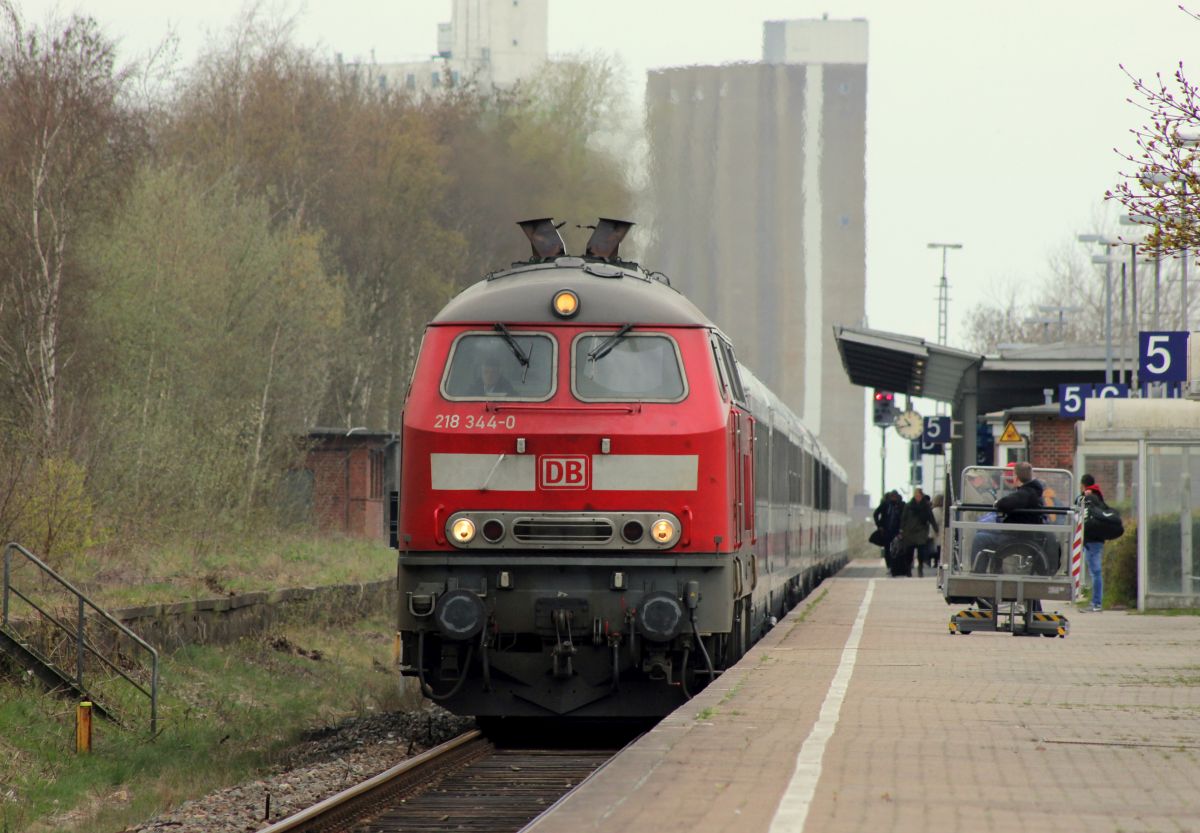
1052	314
1108	264
1145	220
943	335
1128	373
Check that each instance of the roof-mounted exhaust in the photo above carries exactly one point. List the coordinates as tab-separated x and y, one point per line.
607	237
544	238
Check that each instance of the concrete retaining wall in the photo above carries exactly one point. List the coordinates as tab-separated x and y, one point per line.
228	618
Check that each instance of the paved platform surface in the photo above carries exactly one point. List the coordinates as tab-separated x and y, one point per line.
895	725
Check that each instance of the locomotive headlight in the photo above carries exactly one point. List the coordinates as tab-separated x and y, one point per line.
566	303
662	530
463	531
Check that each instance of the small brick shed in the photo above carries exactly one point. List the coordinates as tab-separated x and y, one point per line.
352	474
1048	440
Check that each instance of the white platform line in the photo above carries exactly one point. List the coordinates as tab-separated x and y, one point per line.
793	807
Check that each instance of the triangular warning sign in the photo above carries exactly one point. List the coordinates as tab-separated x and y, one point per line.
1011	434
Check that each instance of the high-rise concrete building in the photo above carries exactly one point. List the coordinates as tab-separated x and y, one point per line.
492	43
758	175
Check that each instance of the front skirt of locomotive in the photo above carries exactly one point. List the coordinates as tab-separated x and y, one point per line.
550	633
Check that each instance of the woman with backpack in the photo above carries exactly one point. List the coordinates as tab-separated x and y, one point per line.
1100	523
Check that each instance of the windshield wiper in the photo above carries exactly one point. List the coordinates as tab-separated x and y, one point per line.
605	347
512	342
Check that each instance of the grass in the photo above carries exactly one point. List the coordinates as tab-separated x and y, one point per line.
183	570
226	715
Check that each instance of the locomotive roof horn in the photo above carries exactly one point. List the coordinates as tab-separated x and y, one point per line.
544	238
606	238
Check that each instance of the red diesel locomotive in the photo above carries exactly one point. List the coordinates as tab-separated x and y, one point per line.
600	509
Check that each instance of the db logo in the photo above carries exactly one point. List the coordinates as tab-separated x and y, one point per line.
563	472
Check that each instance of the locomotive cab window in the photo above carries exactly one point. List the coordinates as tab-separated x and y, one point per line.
731	370
622	366
514	365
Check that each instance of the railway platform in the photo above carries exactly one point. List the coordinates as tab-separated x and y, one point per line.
860	711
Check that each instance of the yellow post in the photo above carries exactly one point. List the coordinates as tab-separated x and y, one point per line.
83	728
396	650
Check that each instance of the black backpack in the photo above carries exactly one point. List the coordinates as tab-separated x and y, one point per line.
1101	521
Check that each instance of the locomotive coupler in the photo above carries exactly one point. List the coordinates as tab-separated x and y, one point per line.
657	666
564	648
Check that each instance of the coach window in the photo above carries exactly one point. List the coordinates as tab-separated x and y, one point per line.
762	460
516	366
636	367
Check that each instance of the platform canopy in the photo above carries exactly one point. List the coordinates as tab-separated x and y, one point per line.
903	364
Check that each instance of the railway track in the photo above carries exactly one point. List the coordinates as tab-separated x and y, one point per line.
464	784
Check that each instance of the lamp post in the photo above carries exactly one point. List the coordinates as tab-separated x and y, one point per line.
943	334
1108	264
1141	221
1059	314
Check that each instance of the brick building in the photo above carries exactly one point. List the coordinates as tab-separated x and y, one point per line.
1049	440
350	474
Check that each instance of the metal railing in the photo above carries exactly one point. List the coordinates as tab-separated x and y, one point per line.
76	633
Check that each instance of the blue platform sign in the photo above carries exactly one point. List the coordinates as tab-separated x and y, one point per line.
1162	356
1071	399
937	449
1116	390
937	431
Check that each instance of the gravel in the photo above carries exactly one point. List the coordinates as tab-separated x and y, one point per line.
327	761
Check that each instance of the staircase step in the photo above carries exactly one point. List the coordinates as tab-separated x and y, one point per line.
52	677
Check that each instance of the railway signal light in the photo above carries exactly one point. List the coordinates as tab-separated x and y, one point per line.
884	408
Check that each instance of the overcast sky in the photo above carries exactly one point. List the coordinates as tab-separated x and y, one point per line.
989	124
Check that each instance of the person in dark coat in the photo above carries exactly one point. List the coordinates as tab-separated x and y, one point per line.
1020	506
935	543
1090	497
1017	506
915	523
887	519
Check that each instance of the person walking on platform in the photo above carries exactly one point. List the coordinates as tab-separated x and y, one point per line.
1091	498
887	522
935	543
915	521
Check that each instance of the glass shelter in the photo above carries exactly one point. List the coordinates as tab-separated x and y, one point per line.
1145	456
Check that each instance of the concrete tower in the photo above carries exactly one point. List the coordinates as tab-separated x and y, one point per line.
758	175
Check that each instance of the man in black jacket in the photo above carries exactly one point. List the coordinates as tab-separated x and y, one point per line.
1017	505
1020	506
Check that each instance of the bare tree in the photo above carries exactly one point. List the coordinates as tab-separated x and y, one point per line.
1164	181
63	142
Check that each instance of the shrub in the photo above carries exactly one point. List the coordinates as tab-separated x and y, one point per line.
56	515
1120	569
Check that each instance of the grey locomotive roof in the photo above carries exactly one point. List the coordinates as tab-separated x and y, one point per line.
608	293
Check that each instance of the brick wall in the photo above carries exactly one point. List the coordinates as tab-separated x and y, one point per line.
347	491
1052	442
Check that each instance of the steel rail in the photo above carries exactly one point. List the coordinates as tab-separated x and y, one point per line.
317	812
465	784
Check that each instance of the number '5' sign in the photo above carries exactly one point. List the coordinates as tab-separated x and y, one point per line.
1071	399
937	430
1162	357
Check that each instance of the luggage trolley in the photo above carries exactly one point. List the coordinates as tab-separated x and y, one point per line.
1005	571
